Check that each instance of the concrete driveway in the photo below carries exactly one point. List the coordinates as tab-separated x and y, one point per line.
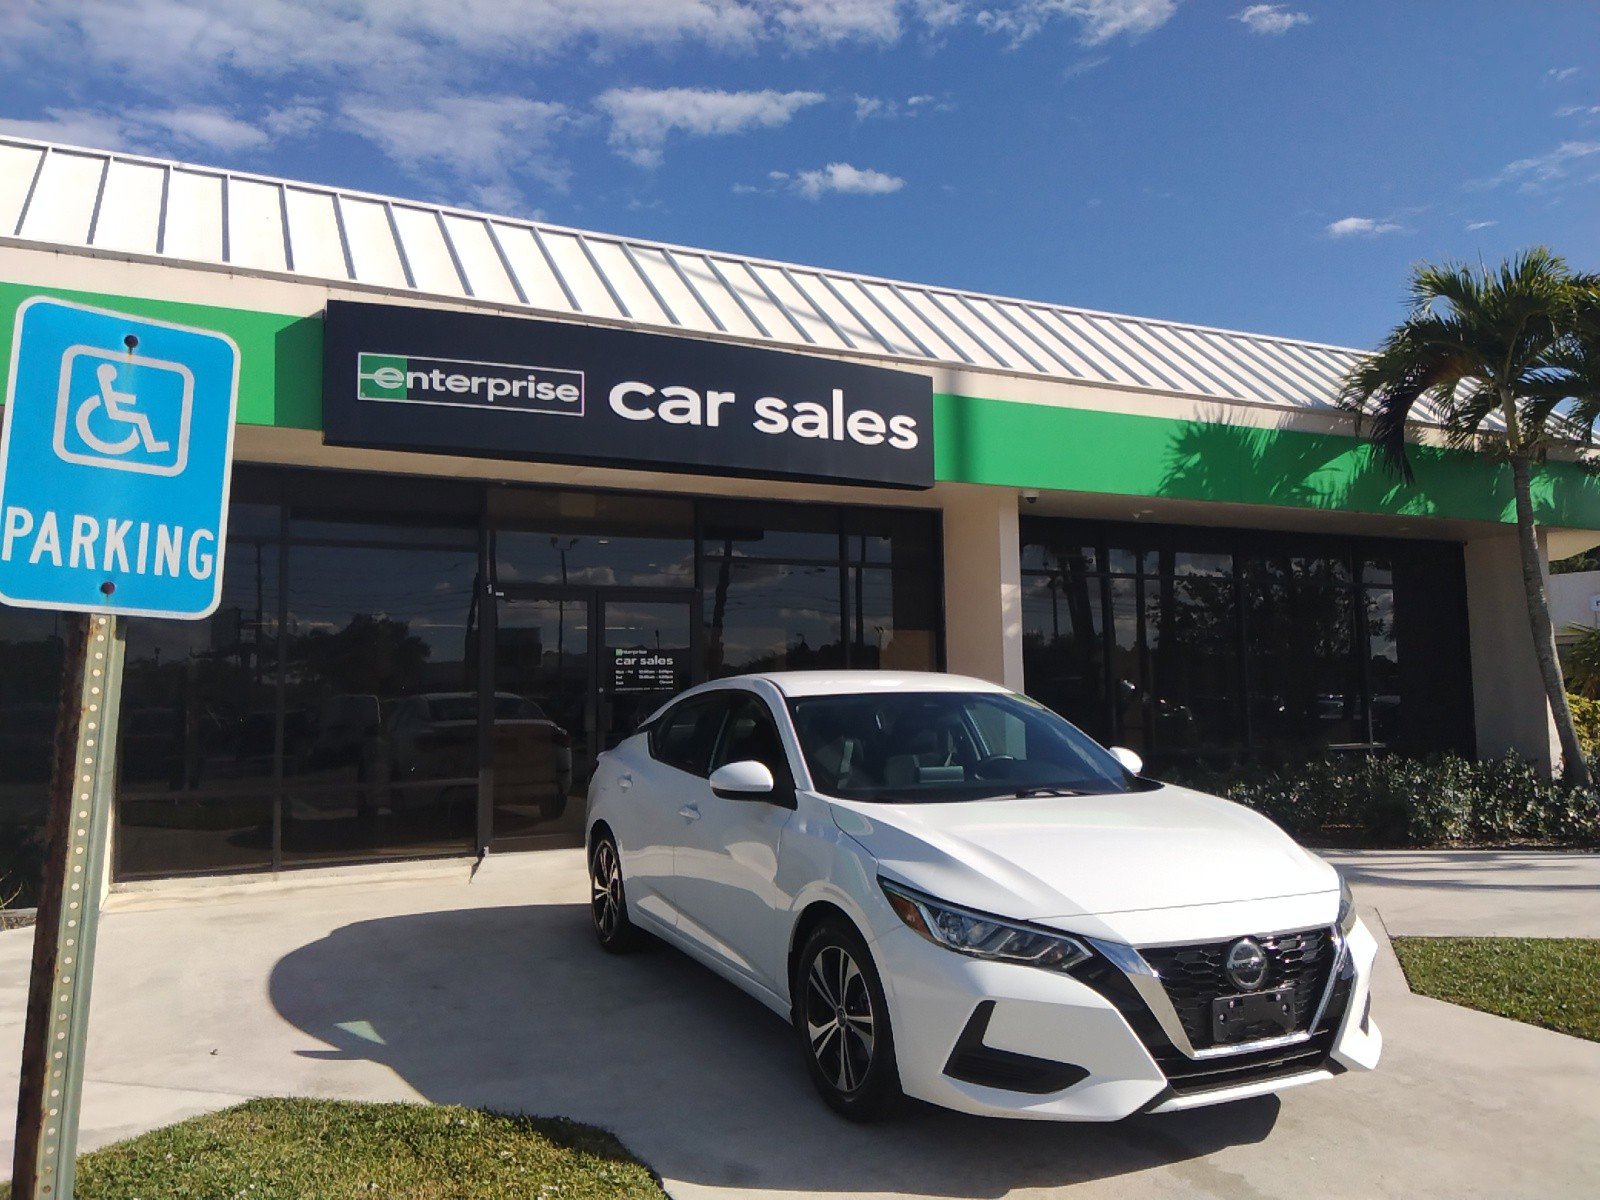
492	993
1478	893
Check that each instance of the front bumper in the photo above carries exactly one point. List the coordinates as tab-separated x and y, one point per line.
1000	1039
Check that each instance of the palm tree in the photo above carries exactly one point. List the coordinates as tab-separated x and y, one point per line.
1492	351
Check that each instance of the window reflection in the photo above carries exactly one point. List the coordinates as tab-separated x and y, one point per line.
198	730
367	628
1214	643
31	645
772	617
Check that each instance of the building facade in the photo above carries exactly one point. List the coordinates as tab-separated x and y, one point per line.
502	487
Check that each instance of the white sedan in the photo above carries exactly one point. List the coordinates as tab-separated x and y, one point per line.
954	894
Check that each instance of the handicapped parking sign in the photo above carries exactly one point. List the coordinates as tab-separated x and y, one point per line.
115	462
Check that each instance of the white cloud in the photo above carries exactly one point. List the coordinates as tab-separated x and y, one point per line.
828	22
72	126
1474	226
393	46
1099	21
1084	65
1578	110
484	141
1560	74
1271	18
157	130
1539	171
846	180
1362	227
643	118
869	107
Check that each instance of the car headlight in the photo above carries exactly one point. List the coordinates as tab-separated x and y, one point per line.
982	936
1347	905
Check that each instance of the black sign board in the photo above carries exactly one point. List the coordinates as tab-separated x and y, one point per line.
638	669
402	378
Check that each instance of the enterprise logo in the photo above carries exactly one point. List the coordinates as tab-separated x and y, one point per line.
407	379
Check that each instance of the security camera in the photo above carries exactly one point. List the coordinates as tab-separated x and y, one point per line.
1032	497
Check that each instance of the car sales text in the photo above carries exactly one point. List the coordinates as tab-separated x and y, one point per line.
677	405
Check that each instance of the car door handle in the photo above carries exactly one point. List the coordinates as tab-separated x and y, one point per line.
689	812
624	781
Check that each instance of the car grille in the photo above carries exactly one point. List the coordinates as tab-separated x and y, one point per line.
1193	977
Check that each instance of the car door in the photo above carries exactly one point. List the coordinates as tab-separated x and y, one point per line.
656	778
725	871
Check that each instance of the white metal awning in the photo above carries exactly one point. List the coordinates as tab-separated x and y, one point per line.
62	196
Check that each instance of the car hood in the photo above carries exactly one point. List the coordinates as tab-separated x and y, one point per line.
1055	858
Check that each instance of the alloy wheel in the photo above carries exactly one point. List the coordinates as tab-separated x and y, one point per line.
839	1018
605	881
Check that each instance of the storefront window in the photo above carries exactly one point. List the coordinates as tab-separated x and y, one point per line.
1213	643
31	646
771	617
196	759
380	745
335	708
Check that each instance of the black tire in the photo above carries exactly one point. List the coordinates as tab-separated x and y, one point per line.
841	1018
552	807
608	906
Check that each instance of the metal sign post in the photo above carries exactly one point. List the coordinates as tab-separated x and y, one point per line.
114	468
69	909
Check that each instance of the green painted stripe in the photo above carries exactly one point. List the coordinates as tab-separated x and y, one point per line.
280	356
978	440
1040	446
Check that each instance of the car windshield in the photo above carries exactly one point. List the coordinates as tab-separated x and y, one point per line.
919	747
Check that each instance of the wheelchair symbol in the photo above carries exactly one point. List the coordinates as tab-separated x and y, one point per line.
111	406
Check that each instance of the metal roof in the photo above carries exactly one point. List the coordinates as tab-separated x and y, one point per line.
64	196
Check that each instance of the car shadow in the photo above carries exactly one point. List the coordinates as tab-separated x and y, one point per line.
516	1008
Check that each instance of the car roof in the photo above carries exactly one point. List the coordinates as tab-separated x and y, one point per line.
846	683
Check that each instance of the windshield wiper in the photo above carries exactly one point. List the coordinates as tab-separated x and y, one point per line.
1025	793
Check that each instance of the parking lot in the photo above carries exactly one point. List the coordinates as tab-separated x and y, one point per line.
492	993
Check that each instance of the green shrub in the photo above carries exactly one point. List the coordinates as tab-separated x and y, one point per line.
1586	716
1392	800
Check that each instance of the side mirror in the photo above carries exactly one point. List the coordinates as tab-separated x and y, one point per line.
1130	760
746	780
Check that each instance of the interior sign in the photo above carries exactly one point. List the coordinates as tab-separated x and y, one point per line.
406	378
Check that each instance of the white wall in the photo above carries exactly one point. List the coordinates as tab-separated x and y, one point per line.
1508	694
983	584
1570	601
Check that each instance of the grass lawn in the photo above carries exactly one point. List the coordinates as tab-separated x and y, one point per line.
333	1150
1553	982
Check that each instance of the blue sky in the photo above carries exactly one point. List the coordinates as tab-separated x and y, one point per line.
1268	167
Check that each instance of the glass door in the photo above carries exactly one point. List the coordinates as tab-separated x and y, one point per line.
575	670
541	716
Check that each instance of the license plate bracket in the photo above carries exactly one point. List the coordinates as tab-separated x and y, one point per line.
1236	1018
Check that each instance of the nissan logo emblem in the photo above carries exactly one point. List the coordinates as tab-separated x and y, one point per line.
1246	965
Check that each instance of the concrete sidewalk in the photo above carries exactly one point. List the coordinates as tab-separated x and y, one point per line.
494	994
1478	893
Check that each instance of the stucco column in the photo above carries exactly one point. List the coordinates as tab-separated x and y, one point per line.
1507	693
983	584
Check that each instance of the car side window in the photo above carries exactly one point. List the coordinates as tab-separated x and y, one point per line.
684	735
749	733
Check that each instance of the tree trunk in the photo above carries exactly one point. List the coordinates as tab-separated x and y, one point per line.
1575	768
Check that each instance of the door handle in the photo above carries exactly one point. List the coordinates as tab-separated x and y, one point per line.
624	781
689	812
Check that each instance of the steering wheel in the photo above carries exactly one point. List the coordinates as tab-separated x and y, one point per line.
996	766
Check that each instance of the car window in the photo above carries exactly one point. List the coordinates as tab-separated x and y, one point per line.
908	747
684	735
749	733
